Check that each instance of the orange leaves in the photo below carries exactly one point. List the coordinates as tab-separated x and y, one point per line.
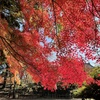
16	78
27	37
13	63
1	79
3	27
15	68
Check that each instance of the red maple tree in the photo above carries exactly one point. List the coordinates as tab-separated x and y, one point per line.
65	27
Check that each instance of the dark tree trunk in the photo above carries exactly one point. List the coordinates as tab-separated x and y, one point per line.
14	93
5	79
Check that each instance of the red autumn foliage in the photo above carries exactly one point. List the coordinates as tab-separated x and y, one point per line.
62	26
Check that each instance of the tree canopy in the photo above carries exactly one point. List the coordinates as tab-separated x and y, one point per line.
33	31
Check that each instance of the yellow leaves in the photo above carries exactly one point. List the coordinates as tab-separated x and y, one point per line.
14	68
17	14
16	77
59	28
30	20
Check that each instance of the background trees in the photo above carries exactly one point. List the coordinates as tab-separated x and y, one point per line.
91	90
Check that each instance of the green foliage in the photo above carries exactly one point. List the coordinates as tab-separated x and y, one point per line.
59	28
92	90
95	72
30	85
36	6
9	4
78	92
89	91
